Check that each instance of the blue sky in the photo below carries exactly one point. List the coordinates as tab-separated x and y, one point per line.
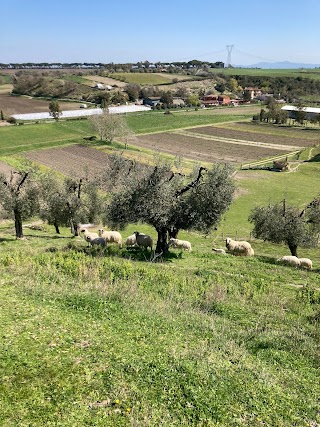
137	30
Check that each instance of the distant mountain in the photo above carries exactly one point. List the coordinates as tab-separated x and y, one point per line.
284	64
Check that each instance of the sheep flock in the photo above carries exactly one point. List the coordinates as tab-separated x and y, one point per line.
141	240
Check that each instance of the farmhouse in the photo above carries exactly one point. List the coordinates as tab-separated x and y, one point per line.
215	100
310	112
252	91
152	101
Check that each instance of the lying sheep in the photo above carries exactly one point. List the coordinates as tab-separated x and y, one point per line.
131	241
111	236
306	263
143	240
290	260
180	244
239	248
219	251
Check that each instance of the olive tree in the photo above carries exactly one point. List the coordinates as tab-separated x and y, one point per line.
55	110
110	126
68	202
166	200
286	224
19	197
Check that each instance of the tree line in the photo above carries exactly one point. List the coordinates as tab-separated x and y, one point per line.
159	195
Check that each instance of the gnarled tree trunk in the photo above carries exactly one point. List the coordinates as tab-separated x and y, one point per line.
18	223
293	249
162	243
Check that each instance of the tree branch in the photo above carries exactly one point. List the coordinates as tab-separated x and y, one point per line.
191	184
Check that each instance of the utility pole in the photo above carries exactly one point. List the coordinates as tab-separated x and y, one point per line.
229	48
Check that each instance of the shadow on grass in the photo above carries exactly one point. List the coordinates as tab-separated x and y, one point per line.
315	158
134	254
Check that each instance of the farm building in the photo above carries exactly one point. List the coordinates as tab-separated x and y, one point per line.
215	100
253	91
311	112
102	87
152	101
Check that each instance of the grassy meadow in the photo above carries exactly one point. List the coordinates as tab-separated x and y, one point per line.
312	73
108	338
150	78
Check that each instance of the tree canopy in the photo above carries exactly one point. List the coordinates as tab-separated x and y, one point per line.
166	200
55	110
287	224
110	126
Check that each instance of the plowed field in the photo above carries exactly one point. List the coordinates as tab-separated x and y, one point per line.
76	161
207	149
21	105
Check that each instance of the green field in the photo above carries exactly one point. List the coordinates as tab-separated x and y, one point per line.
106	338
150	78
312	73
159	122
15	139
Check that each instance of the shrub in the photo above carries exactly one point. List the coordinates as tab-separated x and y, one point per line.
12	120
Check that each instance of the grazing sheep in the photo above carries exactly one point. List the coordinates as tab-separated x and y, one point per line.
290	260
239	248
143	240
306	263
98	241
111	236
180	244
219	251
88	237
131	241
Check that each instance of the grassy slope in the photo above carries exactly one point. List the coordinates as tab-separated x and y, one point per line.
107	341
200	340
258	188
149	78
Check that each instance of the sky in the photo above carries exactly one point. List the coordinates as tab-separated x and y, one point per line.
122	31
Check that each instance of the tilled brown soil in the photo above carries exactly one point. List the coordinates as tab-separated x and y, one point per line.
206	150
20	105
250	136
5	168
76	161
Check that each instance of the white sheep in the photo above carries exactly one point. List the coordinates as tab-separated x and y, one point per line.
88	236
306	263
180	244
111	236
143	240
219	251
290	260
239	248
131	241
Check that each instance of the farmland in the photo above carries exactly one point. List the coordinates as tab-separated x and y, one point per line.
108	338
151	78
312	73
22	104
